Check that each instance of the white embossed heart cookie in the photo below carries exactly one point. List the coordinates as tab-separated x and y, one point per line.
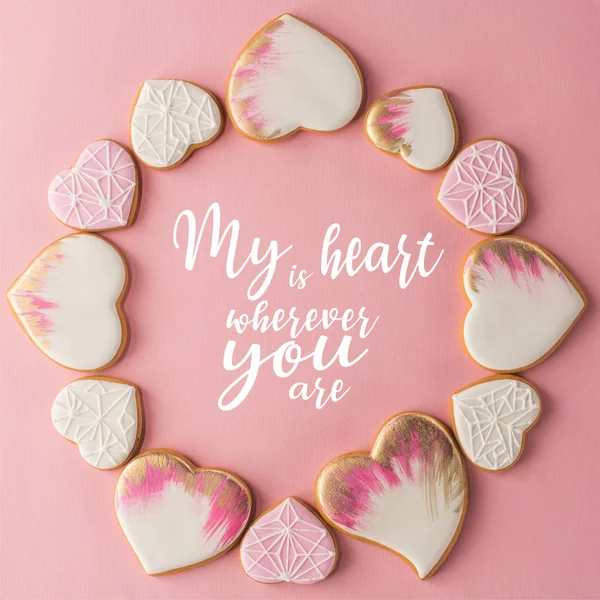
491	418
172	118
291	76
100	192
176	515
102	416
409	495
523	300
68	301
415	123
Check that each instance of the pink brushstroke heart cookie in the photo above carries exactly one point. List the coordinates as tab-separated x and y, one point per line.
68	301
288	543
415	123
409	495
291	76
524	302
481	189
100	192
175	515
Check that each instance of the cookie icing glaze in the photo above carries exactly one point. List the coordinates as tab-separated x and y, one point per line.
409	495
171	119
416	123
99	192
481	189
175	515
102	416
291	76
523	303
491	418
68	302
288	543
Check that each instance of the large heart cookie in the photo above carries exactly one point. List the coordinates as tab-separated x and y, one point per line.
103	416
523	300
491	418
481	189
288	543
68	300
291	76
409	495
415	123
100	192
175	515
171	119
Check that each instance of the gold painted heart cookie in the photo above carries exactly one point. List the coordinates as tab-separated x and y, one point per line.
409	495
524	302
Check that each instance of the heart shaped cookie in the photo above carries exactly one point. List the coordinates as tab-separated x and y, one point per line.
103	416
481	189
409	495
100	192
415	123
172	118
177	516
523	300
290	543
291	76
491	418
68	301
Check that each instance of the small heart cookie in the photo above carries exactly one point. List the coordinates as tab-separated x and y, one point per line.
481	189
100	192
103	416
177	516
68	301
415	123
172	118
491	418
524	302
288	543
409	495
291	76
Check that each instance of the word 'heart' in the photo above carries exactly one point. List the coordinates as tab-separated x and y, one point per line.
69	298
417	124
481	189
100	192
175	515
290	76
288	543
409	495
523	300
491	418
103	416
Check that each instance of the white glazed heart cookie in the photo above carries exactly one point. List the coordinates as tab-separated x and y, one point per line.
491	418
415	123
176	515
172	118
68	301
291	76
103	416
409	495
523	304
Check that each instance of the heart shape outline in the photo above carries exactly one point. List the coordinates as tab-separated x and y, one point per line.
193	471
320	488
260	32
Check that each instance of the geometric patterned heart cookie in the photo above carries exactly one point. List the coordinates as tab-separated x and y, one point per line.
491	418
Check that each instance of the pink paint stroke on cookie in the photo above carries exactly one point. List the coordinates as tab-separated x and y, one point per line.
288	543
99	192
481	189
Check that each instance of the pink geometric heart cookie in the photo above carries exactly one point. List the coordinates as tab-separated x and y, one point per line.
409	495
100	192
175	515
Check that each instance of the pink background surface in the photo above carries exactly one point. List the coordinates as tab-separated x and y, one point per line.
522	71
